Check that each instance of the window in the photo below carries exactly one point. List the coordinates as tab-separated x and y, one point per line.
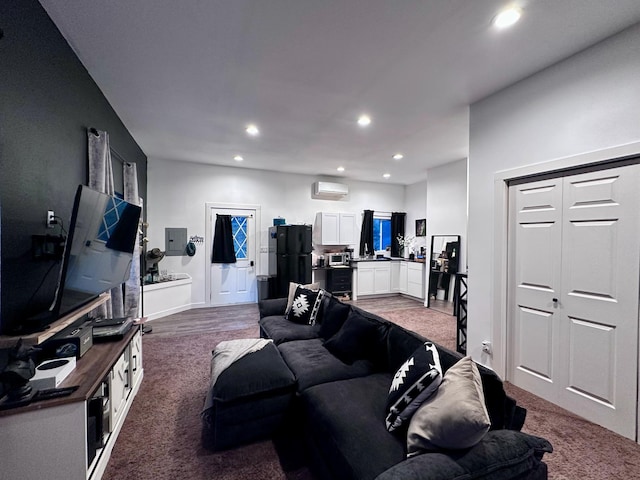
112	213
381	233
239	229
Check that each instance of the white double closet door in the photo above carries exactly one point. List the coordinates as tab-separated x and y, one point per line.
574	268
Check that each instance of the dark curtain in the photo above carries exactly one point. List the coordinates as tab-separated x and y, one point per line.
366	234
397	228
223	251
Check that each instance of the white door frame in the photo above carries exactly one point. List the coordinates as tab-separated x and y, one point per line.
500	234
209	228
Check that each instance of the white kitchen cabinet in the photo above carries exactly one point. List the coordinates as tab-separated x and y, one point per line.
333	228
395	276
366	278
382	277
374	278
415	279
402	279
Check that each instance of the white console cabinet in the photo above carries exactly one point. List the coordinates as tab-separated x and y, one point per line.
49	439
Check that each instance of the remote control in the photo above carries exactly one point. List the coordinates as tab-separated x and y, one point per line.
55	393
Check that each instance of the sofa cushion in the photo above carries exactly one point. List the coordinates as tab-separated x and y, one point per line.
305	306
359	338
334	314
495	396
312	364
500	455
415	381
272	306
455	417
400	344
248	400
255	373
345	421
292	291
281	330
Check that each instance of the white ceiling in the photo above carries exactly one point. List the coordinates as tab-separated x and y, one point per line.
187	76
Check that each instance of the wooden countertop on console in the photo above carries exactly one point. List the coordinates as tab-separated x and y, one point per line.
63	322
90	370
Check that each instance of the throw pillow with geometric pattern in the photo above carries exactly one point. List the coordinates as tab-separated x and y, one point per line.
305	306
414	382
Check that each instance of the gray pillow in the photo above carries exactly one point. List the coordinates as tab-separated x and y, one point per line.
455	417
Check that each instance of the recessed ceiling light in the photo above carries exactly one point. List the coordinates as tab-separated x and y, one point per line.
238	158
252	130
387	175
506	18
398	156
364	120
340	169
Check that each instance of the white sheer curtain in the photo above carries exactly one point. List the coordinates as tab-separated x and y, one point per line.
101	179
132	285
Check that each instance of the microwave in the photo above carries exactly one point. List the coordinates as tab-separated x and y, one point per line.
342	258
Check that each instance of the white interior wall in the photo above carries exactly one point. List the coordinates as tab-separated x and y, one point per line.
416	208
447	204
588	102
447	208
178	192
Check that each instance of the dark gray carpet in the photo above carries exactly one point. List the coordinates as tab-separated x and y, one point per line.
161	435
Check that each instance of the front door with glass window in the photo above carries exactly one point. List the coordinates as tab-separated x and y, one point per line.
233	283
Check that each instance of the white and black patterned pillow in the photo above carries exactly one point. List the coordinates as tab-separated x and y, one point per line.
415	381
305	306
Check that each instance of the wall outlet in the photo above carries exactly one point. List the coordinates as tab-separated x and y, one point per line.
486	347
51	219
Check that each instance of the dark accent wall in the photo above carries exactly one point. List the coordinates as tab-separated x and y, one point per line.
47	102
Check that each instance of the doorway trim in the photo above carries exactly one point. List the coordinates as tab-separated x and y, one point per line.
502	179
208	228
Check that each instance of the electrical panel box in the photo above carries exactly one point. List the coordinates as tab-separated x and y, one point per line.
175	241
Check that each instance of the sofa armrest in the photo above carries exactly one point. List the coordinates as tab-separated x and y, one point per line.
501	455
272	306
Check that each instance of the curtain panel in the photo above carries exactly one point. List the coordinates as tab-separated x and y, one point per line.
397	229
101	179
366	234
223	251
132	285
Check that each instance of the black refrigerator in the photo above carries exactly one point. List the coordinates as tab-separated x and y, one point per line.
289	256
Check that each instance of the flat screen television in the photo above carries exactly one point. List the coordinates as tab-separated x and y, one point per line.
97	256
99	249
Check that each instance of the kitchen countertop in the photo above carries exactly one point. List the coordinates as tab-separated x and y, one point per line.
330	267
388	259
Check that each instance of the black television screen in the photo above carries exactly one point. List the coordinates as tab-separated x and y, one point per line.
99	248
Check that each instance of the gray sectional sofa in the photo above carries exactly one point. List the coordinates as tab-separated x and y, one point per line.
344	365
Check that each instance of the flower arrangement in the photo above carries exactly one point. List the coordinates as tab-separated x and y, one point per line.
405	243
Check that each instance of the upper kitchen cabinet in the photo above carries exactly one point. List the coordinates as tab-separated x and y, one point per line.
333	228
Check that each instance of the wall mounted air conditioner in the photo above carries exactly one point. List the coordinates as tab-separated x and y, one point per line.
329	189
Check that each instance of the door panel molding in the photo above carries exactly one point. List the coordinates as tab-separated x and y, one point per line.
627	154
238	209
589	256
